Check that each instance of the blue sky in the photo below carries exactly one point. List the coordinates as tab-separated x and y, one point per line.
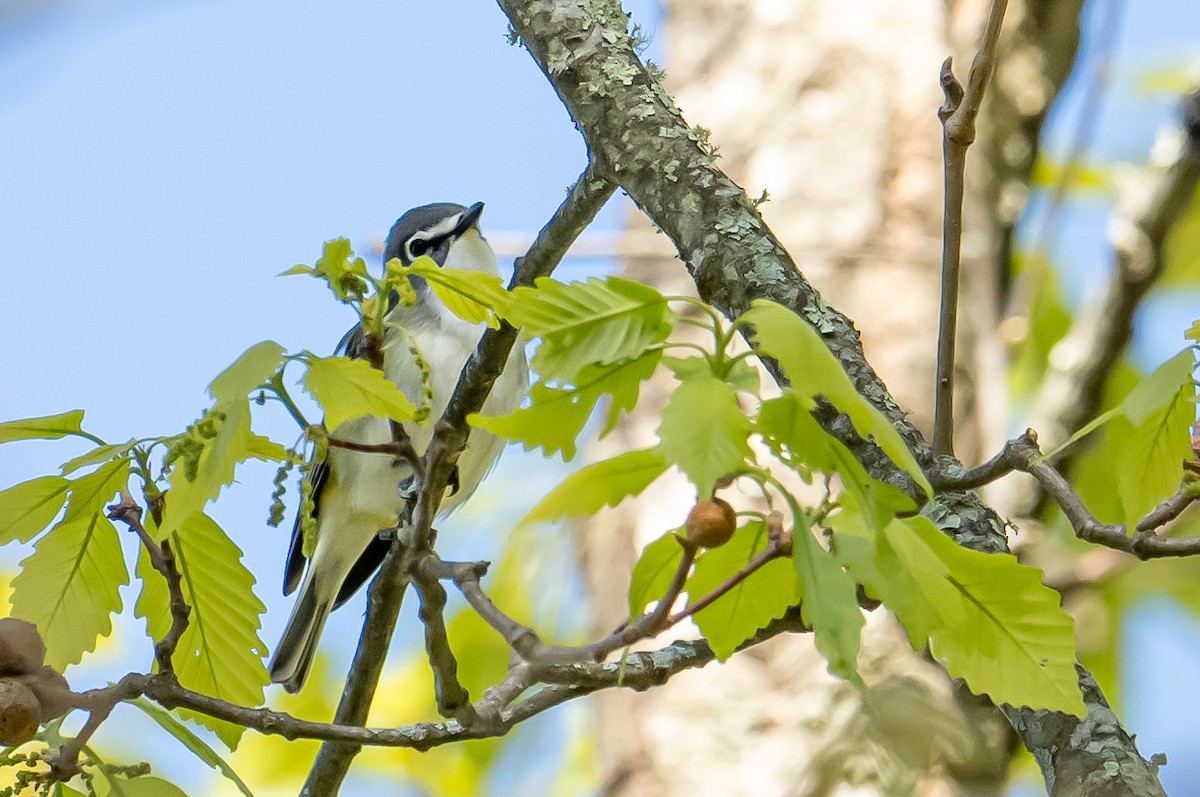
164	161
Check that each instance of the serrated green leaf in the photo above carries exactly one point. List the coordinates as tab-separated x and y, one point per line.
1193	332
28	507
183	734
598	321
760	598
68	587
97	455
704	431
91	493
349	389
794	436
829	604
988	617
1161	388
813	371
1150	465
653	572
474	296
742	377
220	653
598	485
250	370
344	271
232	443
558	413
46	427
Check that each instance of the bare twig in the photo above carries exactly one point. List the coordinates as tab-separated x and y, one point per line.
452	698
163	560
958	133
1023	454
584	200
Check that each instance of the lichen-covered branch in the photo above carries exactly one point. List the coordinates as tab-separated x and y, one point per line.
669	170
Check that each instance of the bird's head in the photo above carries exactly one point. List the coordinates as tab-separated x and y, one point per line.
444	231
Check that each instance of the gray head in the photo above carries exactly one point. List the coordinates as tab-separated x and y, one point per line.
430	230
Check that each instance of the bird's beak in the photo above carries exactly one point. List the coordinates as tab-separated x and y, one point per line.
469	219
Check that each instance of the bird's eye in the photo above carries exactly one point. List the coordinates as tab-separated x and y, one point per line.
418	247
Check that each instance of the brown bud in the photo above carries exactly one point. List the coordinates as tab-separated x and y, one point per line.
710	524
53	693
18	713
21	647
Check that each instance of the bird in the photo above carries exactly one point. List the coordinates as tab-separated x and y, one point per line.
357	495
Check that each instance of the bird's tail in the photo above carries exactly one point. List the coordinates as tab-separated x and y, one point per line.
294	654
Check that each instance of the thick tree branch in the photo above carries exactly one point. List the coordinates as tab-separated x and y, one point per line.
585	198
629	120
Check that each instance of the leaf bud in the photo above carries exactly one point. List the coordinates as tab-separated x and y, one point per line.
710	524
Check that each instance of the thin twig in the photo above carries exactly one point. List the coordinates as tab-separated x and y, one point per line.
958	133
452	699
773	551
162	558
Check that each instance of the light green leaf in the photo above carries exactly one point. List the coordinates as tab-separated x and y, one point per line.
97	455
1150	465
349	389
704	431
600	484
63	790
266	449
68	587
742	377
344	271
598	321
829	604
813	371
197	746
250	370
558	414
1193	332
760	598
653	572
1161	389
143	786
28	507
46	427
794	436
988	617
91	493
473	296
232	443
220	653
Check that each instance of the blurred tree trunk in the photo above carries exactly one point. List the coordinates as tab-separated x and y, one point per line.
831	107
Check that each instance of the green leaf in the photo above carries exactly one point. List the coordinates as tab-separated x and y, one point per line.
813	371
349	389
220	653
600	484
341	268
474	296
1150	465
68	587
988	617
91	493
558	413
28	507
704	431
249	371
829	604
232	443
97	455
794	436
63	790
742	376
47	427
1193	332
197	746
1161	389
653	572
143	786
760	598
598	321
